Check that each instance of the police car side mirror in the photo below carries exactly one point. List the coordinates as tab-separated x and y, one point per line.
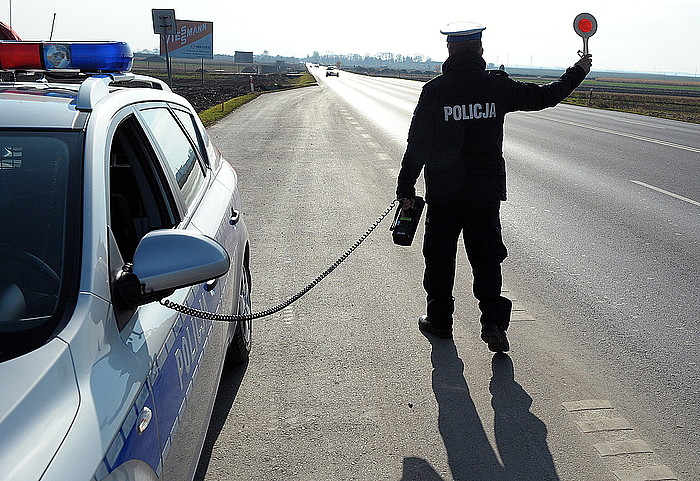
166	260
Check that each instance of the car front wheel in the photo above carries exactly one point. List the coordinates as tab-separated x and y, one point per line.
239	350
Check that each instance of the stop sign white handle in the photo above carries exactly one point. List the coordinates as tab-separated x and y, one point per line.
585	26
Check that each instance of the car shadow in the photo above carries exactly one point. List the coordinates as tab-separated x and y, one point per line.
231	380
521	438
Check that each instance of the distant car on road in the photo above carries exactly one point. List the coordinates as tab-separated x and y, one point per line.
331	71
112	197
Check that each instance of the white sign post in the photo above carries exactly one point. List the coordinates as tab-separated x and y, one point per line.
164	24
585	26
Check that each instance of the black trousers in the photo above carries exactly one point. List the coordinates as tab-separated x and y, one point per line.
480	226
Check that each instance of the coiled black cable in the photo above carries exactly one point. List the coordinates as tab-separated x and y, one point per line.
191	311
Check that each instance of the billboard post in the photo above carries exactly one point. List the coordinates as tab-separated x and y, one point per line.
164	24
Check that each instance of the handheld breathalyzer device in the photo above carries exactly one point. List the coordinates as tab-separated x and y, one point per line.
406	222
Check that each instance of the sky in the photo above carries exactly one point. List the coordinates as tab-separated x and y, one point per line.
660	36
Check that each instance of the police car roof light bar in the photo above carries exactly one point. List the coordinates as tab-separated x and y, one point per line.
88	57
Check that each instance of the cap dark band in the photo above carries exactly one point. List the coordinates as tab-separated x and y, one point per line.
463	38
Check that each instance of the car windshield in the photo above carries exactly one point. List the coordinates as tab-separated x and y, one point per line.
39	211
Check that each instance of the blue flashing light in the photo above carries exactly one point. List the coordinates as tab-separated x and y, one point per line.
89	57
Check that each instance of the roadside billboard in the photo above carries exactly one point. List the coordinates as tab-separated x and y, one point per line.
192	39
243	57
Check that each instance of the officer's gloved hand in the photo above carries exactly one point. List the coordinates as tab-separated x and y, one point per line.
585	63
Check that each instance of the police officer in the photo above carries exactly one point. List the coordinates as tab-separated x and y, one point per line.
457	135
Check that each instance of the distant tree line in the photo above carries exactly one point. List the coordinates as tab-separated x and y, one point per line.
379	60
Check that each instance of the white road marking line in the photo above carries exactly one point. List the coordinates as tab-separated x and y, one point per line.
671	194
634	446
605	424
624	134
625	447
646	473
643	124
521	315
587	405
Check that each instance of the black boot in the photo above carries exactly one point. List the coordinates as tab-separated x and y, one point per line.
441	330
495	337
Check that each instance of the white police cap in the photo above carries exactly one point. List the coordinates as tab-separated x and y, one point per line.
462	31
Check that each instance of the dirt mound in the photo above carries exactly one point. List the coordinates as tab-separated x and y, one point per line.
218	88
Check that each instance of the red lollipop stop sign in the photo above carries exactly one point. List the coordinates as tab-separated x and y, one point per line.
585	26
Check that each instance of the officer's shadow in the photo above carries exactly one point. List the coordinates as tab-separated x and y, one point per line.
521	438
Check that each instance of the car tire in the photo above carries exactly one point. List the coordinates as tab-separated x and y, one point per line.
239	350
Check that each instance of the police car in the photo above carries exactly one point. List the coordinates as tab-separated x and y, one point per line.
112	197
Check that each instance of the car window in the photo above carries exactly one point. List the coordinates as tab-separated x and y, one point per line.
190	125
179	153
140	199
40	194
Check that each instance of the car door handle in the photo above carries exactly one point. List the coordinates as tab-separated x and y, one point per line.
235	216
144	419
210	285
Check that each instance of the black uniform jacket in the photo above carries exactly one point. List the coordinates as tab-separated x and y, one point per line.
457	129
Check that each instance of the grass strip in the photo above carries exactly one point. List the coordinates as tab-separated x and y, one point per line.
305	80
218	112
685	109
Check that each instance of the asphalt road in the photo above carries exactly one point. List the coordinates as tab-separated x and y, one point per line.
603	233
